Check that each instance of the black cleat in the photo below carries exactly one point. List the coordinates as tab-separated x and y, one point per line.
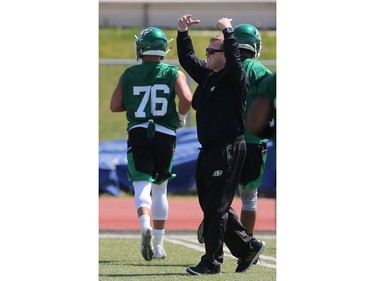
257	247
146	247
202	270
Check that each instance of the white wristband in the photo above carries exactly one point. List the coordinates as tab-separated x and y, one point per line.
182	119
181	29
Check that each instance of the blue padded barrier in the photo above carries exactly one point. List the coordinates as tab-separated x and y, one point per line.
113	166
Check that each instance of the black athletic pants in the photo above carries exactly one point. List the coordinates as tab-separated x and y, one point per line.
217	175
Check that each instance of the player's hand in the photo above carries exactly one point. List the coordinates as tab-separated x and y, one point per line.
223	23
185	21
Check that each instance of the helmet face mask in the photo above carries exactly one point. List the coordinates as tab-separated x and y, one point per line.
151	41
248	37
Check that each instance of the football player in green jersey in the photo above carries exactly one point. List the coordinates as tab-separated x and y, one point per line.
147	92
250	43
261	118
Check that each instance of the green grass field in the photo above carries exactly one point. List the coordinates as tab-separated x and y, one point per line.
120	259
118	43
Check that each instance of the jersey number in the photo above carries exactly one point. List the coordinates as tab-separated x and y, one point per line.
156	102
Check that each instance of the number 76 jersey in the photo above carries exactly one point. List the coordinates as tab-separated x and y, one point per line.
148	94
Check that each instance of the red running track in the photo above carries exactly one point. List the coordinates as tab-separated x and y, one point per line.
184	214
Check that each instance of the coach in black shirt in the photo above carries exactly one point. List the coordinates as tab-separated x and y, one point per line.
219	101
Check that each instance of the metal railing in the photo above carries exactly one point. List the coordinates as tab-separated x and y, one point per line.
174	62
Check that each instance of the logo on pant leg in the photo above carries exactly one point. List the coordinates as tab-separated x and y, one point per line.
217	173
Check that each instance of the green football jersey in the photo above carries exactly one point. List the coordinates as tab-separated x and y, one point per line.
256	71
148	94
267	88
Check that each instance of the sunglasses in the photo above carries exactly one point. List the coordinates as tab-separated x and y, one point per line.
211	51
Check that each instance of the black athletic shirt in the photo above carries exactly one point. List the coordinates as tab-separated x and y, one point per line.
219	99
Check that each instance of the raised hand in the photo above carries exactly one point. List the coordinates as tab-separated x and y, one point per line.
185	21
223	23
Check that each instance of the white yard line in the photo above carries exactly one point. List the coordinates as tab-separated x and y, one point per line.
191	242
198	247
182	236
193	239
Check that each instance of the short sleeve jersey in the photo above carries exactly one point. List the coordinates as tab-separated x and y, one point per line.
148	94
256	72
267	88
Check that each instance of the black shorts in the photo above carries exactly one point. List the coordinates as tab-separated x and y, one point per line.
150	159
254	161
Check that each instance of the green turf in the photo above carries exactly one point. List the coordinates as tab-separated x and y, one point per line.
120	259
118	43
